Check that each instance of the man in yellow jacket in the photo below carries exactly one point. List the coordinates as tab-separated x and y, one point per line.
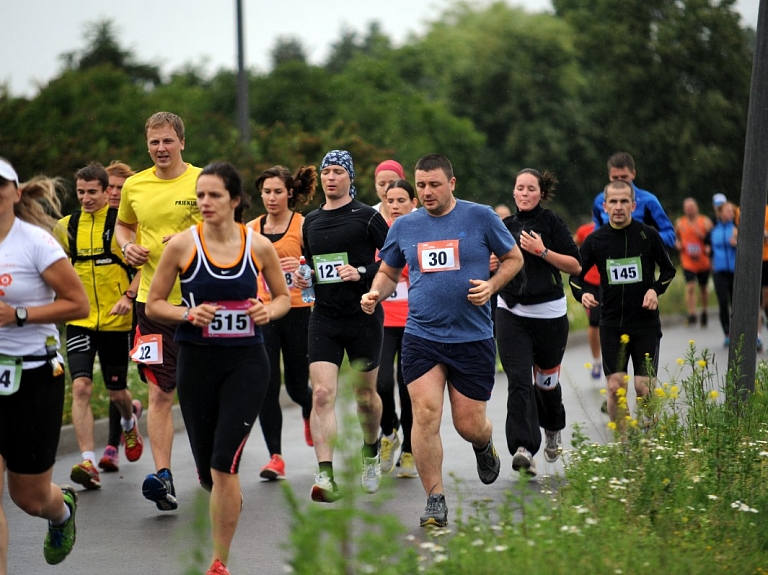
88	237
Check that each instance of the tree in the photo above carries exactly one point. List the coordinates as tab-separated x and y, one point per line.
288	50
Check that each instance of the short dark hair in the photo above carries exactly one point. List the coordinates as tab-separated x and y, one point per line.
432	162
617	184
402	184
302	183
621	160
233	183
94	172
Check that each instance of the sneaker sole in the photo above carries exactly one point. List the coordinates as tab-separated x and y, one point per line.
107	466
323	495
521	464
82	477
271	475
549	459
433	521
408	474
156	491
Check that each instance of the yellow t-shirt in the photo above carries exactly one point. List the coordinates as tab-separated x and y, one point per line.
161	208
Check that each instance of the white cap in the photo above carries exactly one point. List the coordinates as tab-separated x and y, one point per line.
7	172
719	199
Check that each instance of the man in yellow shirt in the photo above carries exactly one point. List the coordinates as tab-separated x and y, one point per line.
161	200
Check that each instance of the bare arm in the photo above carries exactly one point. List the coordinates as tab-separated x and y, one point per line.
383	286
158	307
125	234
509	265
533	244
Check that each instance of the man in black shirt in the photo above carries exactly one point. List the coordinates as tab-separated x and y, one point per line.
626	253
340	242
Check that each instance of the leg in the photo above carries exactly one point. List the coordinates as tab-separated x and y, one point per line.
427	401
469	418
385	383
271	414
82	416
615	382
690	298
593	336
723	293
122	400
294	340
115	429
550	337
3	523
36	495
324	376
224	512
368	405
160	425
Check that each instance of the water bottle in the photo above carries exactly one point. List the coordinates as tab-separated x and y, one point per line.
308	293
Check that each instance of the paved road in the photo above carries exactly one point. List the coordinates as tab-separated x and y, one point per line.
121	533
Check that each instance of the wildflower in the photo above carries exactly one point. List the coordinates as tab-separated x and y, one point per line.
763	454
713	395
633	423
713	497
702	363
603	391
665	481
696	478
691	342
440	558
626	379
500	548
621	392
665	385
477	543
680	361
590	521
612	425
587	365
674	391
659	392
625	338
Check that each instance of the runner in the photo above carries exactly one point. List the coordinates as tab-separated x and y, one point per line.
223	370
592	285
87	237
400	200
281	192
627	254
341	238
385	174
692	230
448	336
722	240
38	287
160	200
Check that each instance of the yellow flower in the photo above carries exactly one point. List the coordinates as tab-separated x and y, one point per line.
633	423
713	395
660	392
665	385
612	425
680	361
673	391
587	365
603	391
621	392
665	481
626	379
702	363
624	338
647	354
691	342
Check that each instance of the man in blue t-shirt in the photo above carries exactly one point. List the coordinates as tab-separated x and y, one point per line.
648	210
448	334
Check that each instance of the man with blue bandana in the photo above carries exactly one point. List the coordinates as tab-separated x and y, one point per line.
340	242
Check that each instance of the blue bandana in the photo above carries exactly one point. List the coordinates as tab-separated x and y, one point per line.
344	159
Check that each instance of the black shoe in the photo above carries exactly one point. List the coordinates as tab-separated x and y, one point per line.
436	512
703	320
488	463
691	320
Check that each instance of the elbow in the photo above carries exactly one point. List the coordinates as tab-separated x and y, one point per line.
83	309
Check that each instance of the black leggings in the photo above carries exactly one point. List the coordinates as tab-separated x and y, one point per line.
526	342
221	390
724	290
391	361
289	335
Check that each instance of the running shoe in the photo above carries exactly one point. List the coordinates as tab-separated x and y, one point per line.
436	512
553	446
134	444
308	433
691	320
60	539
488	463
523	462
387	450
704	319
110	461
217	568
86	474
158	487
273	470
597	371
407	466
325	489
371	478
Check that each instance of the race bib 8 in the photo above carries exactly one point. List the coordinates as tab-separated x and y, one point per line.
288	280
439	256
10	374
624	271
325	267
148	349
231	320
400	293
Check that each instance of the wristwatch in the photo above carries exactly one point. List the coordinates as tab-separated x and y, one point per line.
361	271
130	294
21	316
185	315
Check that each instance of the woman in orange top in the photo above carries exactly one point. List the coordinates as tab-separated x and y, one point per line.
691	230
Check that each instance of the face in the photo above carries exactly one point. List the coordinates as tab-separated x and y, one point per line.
435	191
619	206
91	195
165	147
727	213
383	179
623	174
335	181
690	208
115	190
213	199
527	192
9	195
275	195
399	202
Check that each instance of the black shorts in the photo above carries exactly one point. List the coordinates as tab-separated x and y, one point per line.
360	335
471	366
221	390
764	276
112	347
594	314
701	277
642	349
161	374
30	421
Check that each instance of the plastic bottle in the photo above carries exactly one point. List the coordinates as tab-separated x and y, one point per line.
308	293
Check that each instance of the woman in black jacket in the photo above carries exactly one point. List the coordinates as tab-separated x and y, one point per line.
532	322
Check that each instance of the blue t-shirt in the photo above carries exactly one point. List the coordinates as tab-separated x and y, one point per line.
459	244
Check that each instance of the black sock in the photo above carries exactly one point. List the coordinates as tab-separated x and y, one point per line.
484	449
370	449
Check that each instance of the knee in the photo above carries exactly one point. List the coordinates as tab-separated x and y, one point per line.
82	388
426	414
159	398
322	397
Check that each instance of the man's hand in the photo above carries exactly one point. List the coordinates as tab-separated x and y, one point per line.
589	301
651	300
122	307
136	255
368	301
479	294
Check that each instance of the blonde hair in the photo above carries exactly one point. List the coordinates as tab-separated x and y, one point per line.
119	169
40	204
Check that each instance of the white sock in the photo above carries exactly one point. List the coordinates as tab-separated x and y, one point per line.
126	423
90	456
597	361
66	516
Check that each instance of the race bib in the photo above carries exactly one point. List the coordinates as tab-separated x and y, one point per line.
440	256
325	267
624	271
546	378
10	374
231	320
693	250
148	349
288	280
400	293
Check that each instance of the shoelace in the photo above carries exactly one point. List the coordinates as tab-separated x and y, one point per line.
57	536
386	449
131	439
434	504
371	471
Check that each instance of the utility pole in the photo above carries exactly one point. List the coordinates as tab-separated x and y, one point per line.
242	78
754	184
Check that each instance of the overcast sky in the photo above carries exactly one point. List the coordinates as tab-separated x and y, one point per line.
202	32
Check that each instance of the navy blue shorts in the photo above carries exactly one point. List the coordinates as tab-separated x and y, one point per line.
471	366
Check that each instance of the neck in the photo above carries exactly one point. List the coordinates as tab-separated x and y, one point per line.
621	226
276	222
172	172
384	211
224	232
334	203
448	208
